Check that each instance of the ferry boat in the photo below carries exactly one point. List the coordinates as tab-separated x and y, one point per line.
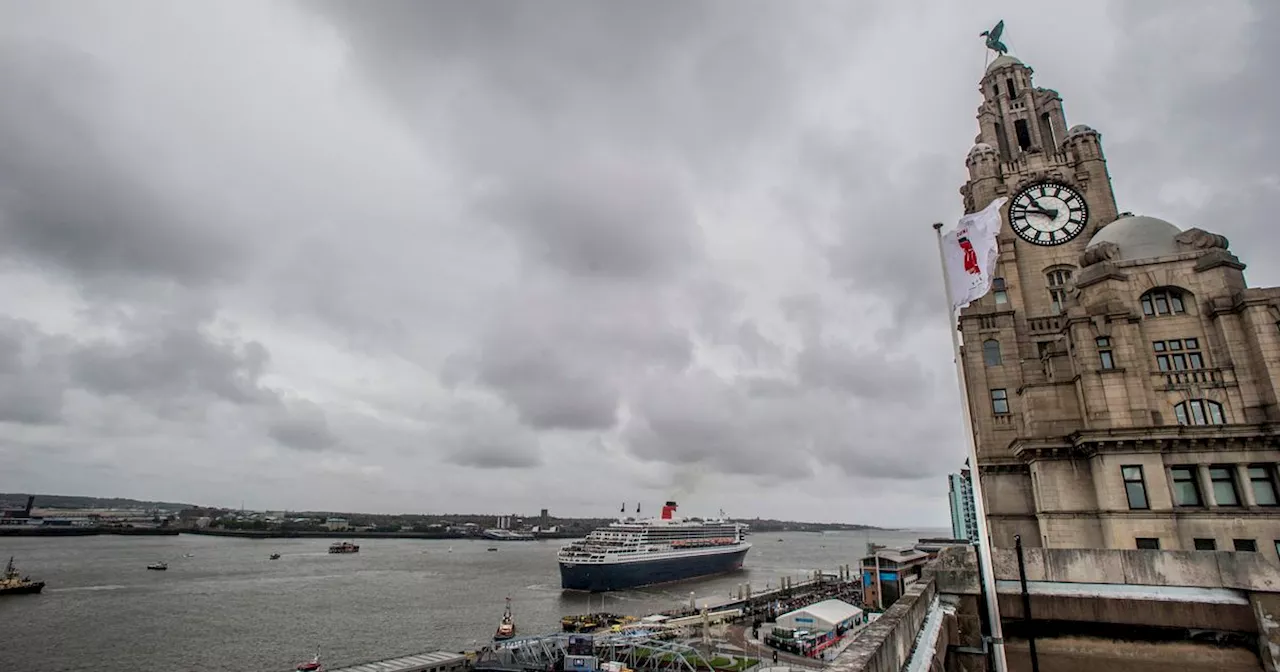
344	547
11	583
312	665
507	628
631	553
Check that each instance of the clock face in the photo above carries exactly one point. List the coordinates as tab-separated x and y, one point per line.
1048	213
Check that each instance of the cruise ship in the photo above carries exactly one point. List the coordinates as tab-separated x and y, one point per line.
632	553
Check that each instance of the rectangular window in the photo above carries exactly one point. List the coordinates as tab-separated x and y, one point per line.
1135	489
1178	354
1245	545
1000	402
1186	488
1224	486
1264	485
998	288
1147	543
1106	359
1206	545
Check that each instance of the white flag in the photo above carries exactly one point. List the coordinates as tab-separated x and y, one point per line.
969	254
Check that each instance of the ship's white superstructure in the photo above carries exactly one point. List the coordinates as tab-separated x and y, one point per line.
632	540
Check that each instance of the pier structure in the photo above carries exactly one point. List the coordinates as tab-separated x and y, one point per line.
636	650
844	583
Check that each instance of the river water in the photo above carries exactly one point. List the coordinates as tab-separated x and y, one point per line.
228	607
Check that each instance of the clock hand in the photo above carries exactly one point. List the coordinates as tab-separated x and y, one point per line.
1040	209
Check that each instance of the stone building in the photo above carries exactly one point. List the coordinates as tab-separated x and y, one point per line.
1122	377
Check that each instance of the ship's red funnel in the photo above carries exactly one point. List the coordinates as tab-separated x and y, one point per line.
668	511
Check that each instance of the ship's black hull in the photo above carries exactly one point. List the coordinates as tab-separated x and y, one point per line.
28	589
621	576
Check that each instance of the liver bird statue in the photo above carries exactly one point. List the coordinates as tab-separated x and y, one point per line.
993	39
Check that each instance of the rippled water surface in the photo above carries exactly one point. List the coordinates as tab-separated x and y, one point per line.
227	607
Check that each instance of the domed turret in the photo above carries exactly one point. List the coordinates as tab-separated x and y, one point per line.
1137	237
1003	61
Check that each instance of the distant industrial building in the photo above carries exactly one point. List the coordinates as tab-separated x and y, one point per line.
964	520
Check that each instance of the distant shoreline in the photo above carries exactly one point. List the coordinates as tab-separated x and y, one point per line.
290	534
59	531
49	531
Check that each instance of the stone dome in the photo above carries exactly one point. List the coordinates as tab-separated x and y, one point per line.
1138	237
1080	129
1003	60
982	148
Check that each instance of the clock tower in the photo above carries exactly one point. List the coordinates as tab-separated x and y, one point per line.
1055	177
1123	378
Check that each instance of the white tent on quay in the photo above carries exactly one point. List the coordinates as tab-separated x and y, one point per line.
822	617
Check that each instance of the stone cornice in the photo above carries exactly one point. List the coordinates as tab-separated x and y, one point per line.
1154	439
1002	467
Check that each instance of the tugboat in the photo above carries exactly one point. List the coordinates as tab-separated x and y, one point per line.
275	556
344	547
507	628
160	566
12	584
312	665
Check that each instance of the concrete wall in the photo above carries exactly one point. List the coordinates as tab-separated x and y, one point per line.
885	645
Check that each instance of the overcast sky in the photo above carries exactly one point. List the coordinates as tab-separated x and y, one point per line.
498	256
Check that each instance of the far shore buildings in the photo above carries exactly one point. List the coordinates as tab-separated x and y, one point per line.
1123	377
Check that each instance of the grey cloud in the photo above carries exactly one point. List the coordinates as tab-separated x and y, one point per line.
498	235
610	220
166	363
174	361
863	374
32	377
472	434
781	429
563	356
301	425
71	192
1215	124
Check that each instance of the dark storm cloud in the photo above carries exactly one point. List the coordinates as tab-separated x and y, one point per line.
653	243
72	194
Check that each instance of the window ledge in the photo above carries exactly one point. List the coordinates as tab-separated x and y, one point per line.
1103	372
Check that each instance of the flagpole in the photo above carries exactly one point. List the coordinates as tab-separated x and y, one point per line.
979	506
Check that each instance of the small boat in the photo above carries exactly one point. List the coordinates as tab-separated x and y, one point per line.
312	665
493	548
13	584
507	628
161	566
344	547
275	556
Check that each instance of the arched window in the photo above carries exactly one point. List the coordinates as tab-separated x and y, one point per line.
991	352
1199	412
1058	280
1164	301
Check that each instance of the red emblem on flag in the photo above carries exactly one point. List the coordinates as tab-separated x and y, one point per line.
970	257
